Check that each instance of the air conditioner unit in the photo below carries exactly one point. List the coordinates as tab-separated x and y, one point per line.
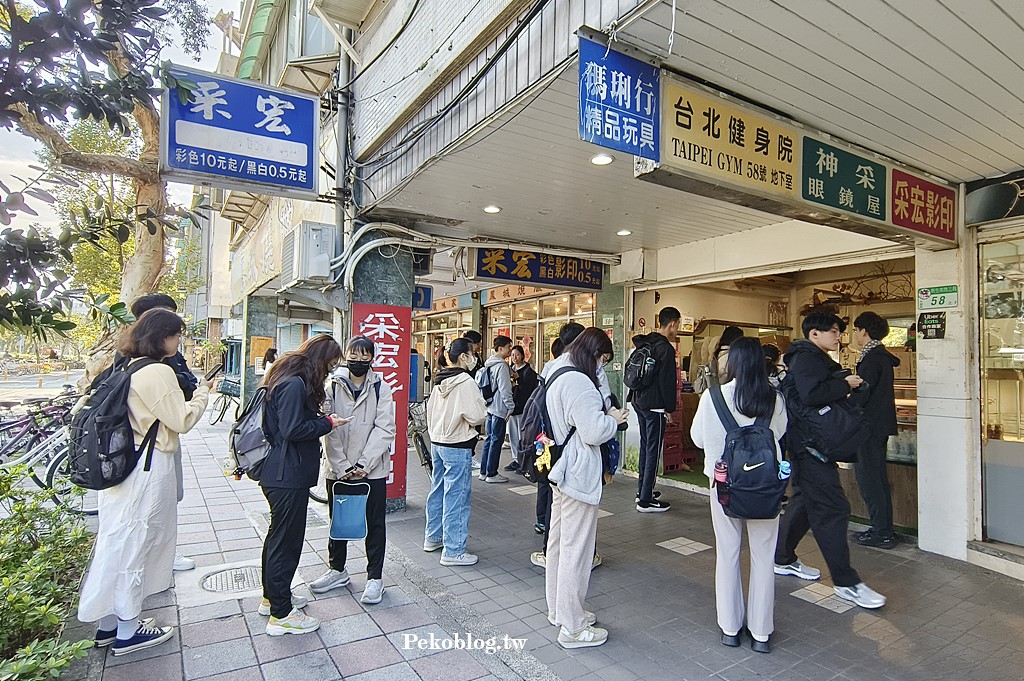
306	254
636	267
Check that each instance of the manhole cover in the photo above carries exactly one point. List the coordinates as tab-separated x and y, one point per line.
234	580
313	519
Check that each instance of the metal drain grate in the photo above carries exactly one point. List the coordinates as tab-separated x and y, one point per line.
313	519
234	580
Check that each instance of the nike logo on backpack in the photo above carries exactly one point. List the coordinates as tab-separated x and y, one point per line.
748	467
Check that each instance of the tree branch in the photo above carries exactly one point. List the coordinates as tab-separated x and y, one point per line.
146	171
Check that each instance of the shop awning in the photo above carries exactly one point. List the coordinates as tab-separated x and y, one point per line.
350	13
244	208
309	74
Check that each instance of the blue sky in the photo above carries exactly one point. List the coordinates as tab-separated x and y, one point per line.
17	151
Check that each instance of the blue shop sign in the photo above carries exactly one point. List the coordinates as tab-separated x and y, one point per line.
240	134
619	99
537	269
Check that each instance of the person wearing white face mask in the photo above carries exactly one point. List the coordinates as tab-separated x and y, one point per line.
455	408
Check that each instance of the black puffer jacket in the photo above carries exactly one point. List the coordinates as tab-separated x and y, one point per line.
880	408
662	394
813	374
294	430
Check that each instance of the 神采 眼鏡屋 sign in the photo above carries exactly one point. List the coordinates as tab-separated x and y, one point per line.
840	179
240	134
618	99
537	269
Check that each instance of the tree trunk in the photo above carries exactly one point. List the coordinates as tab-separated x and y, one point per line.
141	275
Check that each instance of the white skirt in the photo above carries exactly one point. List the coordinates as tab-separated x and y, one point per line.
133	556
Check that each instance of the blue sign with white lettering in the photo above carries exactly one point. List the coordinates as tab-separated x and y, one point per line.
238	133
619	99
423	298
508	265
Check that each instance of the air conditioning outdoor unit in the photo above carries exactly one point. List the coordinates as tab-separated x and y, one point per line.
306	254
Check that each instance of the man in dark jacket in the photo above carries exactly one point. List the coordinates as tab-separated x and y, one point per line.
524	382
654	405
875	366
818	501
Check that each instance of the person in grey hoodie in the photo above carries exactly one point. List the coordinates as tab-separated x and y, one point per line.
580	425
360	451
454	410
496	377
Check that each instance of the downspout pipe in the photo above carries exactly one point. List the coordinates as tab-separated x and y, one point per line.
254	38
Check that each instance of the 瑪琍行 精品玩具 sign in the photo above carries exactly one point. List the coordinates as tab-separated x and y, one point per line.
239	135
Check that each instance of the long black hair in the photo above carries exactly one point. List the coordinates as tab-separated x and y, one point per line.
755	396
730	334
311	362
588	347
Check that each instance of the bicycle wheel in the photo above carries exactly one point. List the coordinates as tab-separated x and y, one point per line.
319	491
65	493
220	407
423	451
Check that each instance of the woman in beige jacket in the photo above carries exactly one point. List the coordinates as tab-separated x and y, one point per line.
138	521
455	408
359	451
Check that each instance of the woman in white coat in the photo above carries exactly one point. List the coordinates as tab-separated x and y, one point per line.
133	556
748	396
580	425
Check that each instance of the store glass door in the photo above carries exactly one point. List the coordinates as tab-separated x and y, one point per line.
1002	399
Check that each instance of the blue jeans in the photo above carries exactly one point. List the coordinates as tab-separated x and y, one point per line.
492	445
448	501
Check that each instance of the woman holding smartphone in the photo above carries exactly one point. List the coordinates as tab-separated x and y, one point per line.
294	424
360	451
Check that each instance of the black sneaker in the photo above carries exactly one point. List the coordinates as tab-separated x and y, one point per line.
512	467
655	495
105	637
539	528
653	506
145	637
871	538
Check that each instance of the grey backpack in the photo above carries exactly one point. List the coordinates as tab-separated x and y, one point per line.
248	441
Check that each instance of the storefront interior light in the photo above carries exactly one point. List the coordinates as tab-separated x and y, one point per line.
492	209
623	232
602	159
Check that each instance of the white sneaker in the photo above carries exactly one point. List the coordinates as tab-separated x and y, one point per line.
495	478
591	637
460	560
430	546
297	622
798	569
591	618
332	579
539	558
181	563
475	463
597	561
482	477
374	592
861	594
298	603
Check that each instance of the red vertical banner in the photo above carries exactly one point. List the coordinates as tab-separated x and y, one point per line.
390	329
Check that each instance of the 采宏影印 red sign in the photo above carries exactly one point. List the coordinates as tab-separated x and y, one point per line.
922	206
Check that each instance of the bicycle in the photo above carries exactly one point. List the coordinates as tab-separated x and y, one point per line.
62	490
228	393
419	435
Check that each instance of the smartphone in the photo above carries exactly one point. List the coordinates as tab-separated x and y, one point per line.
213	372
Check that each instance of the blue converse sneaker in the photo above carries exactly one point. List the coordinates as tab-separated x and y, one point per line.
145	637
104	637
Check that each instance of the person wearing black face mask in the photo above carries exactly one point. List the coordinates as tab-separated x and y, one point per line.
359	451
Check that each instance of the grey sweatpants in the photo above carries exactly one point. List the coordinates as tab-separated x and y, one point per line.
570	557
761	536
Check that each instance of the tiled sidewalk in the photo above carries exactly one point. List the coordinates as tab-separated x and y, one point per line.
655	594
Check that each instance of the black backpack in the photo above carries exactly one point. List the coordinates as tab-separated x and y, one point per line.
836	431
485	381
535	422
639	372
102	452
755	491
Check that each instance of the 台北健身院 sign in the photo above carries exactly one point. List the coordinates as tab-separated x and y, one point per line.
240	134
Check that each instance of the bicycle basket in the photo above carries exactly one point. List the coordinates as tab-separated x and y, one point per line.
418	415
230	387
